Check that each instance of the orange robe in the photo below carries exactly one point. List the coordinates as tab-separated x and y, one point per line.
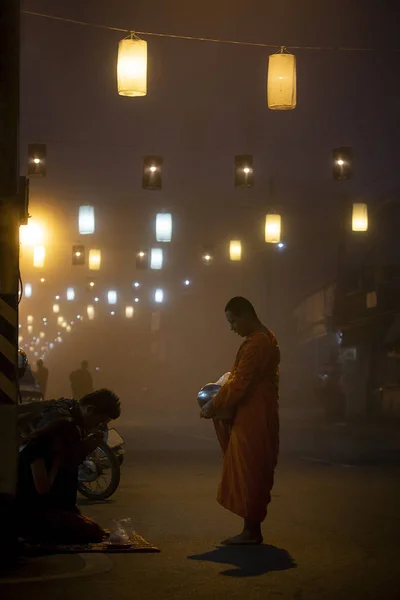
250	443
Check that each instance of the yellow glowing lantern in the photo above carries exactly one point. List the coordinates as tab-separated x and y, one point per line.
30	329
90	312
39	256
132	67
60	320
68	328
94	259
42	334
29	319
129	310
235	250
281	83
56	308
31	234
360	217
272	228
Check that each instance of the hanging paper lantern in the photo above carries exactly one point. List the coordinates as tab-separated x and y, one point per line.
132	67
112	297
360	217
129	310
39	257
94	259
56	308
281	83
31	234
159	296
235	250
86	219
156	258
90	312
70	294
60	320
28	290
164	227
30	329
42	334
272	228
29	319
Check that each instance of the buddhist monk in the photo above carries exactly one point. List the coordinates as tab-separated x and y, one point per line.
250	440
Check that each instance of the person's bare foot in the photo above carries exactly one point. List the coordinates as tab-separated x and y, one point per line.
246	538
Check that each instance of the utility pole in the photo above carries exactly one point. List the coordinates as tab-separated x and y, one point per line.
9	270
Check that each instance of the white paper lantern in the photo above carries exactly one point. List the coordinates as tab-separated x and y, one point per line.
164	227
94	259
56	308
359	220
132	67
70	294
129	311
30	329
39	257
29	319
156	258
90	312
28	290
281	83
235	250
159	296
272	228
86	219
112	297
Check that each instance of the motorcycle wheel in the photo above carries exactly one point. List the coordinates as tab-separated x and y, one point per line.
93	490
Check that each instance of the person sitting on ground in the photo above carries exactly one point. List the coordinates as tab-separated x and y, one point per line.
65	433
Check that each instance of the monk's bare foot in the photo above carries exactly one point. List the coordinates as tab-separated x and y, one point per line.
246	538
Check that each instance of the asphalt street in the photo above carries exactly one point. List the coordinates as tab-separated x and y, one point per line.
332	530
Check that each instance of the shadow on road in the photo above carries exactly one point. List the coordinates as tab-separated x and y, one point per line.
249	561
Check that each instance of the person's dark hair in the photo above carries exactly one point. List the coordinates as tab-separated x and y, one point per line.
104	401
240	306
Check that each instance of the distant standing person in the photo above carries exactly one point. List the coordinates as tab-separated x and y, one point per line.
81	381
42	376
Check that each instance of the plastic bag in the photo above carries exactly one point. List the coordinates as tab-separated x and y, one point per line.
222	380
122	532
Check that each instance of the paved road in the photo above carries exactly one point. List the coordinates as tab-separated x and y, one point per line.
332	531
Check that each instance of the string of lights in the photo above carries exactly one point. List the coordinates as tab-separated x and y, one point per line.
205	39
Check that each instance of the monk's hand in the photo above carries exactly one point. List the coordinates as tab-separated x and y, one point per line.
207	412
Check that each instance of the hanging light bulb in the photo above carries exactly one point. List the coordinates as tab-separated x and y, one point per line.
70	294
164	227
90	312
281	82
235	250
272	228
129	310
94	259
86	219
360	217
28	290
39	257
132	67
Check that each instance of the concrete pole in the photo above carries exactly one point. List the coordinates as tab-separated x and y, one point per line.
9	270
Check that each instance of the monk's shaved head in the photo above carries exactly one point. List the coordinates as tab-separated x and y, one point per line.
240	307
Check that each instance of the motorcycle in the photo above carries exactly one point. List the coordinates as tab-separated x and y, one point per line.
99	474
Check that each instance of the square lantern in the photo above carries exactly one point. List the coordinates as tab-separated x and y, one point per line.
159	296
94	259
86	219
244	174
156	258
282	81
28	290
359	221
129	311
235	250
39	257
78	255
272	228
342	163
132	67
90	312
112	297
164	227
70	293
152	176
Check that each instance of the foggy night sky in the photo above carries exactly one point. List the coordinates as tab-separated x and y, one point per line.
206	103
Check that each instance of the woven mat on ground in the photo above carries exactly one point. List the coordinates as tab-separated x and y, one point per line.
138	544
